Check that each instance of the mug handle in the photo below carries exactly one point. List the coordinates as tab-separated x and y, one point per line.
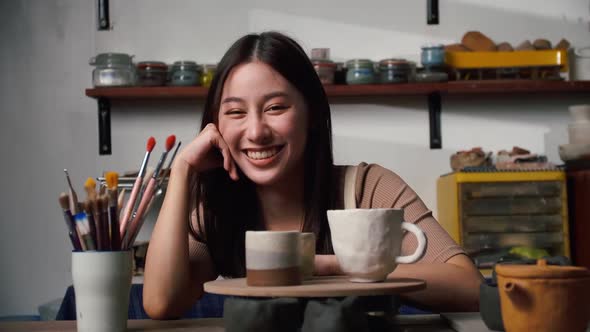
421	244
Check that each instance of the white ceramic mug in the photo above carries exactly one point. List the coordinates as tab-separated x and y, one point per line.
273	258
102	281
367	242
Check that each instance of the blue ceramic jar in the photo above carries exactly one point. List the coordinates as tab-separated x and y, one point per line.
185	73
433	56
360	71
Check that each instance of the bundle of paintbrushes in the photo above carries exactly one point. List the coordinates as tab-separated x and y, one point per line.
97	223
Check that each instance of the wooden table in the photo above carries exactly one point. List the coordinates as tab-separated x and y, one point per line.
192	325
410	323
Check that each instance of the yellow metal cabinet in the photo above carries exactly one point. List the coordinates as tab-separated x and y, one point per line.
489	213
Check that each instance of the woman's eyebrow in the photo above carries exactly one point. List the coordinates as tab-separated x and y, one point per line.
265	97
275	94
232	99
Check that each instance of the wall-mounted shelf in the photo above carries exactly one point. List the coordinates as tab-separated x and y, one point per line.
433	91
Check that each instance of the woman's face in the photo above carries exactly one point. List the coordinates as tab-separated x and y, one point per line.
263	119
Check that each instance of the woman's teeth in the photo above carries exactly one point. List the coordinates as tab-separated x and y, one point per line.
262	154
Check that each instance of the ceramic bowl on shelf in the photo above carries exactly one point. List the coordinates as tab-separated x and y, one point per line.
569	152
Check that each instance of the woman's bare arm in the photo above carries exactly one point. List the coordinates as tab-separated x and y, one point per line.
450	286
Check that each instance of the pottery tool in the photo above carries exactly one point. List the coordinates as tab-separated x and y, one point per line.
64	202
147	196
101	235
84	230
112	184
136	187
73	197
88	208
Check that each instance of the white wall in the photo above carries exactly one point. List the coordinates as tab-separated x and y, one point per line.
48	124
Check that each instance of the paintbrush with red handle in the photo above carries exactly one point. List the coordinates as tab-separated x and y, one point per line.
136	187
146	197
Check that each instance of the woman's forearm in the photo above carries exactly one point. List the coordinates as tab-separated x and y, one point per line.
167	287
449	287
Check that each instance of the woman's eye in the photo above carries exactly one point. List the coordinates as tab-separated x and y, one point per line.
276	108
234	111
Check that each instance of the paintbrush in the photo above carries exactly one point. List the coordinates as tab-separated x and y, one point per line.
73	197
93	217
121	199
136	187
64	202
103	215
146	197
83	228
88	208
112	184
167	169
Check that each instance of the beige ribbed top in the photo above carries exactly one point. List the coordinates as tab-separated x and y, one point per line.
378	187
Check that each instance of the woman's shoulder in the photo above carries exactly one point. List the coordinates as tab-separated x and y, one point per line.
376	186
366	170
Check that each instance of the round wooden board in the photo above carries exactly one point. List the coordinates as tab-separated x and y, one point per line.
333	286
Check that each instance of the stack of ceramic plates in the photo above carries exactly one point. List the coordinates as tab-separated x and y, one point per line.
579	135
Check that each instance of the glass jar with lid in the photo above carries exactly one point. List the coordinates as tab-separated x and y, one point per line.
360	71
325	70
185	73
396	71
207	75
152	73
113	69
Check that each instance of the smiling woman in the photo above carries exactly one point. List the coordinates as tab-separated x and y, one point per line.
263	161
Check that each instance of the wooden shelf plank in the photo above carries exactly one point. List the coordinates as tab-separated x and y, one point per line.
457	87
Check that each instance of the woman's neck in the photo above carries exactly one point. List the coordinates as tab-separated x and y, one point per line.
282	205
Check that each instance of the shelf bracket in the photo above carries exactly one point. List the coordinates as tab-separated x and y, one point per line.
103	20
434	109
104	126
432	12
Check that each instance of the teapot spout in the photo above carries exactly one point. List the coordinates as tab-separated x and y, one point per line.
510	287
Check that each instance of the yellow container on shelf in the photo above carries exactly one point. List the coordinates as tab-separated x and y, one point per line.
489	213
514	59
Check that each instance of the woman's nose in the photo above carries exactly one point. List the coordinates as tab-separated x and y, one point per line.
258	130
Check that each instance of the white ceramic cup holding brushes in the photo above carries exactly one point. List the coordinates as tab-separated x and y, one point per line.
102	282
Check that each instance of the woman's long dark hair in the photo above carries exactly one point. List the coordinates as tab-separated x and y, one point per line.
231	208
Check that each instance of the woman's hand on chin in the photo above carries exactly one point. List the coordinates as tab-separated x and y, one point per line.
208	151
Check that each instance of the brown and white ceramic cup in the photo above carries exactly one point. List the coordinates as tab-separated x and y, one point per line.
273	258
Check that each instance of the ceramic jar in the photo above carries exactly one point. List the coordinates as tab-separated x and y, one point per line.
432	56
544	298
325	70
360	71
151	73
396	71
185	73
207	75
113	69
